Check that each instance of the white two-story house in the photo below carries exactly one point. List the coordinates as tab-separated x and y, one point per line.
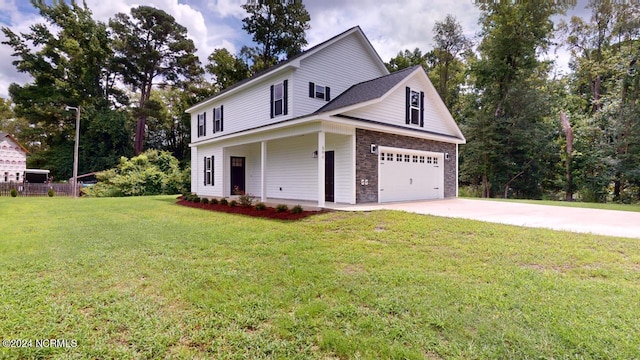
328	125
13	159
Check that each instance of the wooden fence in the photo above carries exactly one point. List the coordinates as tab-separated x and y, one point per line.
28	189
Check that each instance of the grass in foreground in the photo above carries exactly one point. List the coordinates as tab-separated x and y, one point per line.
578	204
145	278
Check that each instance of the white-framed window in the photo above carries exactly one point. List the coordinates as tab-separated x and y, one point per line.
208	171
421	159
319	92
415	158
415	107
399	157
389	157
407	158
202	124
218	116
279	95
435	160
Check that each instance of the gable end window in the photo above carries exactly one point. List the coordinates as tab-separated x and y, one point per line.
414	107
202	124
279	96
218	118
208	171
319	92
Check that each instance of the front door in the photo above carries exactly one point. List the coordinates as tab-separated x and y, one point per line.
237	175
329	176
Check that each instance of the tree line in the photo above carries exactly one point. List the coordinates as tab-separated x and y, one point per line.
531	132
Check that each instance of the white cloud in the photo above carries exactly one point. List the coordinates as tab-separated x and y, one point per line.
225	8
391	26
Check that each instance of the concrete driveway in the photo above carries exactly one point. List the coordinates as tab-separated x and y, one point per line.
601	222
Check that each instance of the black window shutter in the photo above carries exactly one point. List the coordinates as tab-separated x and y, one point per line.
312	90
204	120
328	93
205	171
214	120
272	101
421	108
221	118
213	182
408	106
286	96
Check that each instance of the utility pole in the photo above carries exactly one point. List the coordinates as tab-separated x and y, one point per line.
75	150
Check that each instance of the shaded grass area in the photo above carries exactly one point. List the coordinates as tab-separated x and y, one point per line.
578	204
145	278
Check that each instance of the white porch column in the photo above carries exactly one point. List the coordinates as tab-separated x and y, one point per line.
321	169
263	171
457	175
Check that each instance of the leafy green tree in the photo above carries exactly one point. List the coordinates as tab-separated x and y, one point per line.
407	59
68	60
605	57
507	134
450	43
226	69
150	45
278	28
170	127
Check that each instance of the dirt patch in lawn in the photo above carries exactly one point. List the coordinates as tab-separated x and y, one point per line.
268	213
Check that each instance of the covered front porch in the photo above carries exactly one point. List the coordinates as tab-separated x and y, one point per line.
307	164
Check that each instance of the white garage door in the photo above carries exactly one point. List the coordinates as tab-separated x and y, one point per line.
406	174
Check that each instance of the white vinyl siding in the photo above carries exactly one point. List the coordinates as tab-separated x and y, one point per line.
344	168
338	66
248	109
291	169
392	109
198	173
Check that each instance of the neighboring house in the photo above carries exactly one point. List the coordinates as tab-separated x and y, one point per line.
13	159
13	163
328	125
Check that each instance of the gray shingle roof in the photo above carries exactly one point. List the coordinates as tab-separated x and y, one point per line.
367	90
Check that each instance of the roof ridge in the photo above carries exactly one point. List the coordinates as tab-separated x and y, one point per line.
390	74
280	64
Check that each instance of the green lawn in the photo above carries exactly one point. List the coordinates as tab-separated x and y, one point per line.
606	206
144	278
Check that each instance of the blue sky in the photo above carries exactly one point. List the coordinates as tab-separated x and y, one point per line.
390	25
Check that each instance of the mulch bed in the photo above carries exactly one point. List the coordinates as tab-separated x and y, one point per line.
268	213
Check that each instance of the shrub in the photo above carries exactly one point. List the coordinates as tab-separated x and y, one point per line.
14	192
282	208
246	200
233	203
204	200
195	198
214	201
224	201
150	173
297	209
51	192
261	206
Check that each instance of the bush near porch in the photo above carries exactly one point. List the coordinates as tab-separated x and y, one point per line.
151	173
145	278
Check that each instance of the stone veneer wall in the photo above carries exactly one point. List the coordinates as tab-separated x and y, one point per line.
367	163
